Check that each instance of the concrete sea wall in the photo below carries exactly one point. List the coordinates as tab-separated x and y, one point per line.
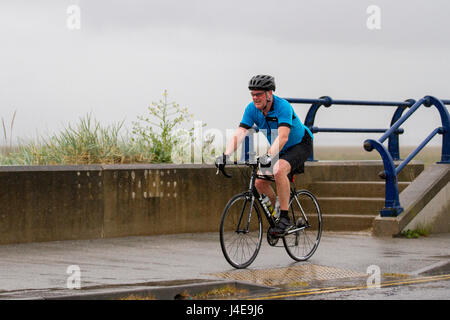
48	203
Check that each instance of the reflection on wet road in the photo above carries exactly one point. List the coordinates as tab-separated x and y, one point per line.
289	275
315	291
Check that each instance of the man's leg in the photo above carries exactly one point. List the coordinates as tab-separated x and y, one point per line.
265	186
281	171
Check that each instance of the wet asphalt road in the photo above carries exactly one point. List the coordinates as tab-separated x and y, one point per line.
41	269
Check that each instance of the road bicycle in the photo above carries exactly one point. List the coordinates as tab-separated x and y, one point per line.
241	227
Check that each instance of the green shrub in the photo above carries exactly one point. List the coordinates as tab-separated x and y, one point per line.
86	143
162	133
155	138
420	230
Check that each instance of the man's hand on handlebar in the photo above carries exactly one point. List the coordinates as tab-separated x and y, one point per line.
221	161
265	161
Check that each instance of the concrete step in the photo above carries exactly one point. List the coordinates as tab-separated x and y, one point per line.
351	170
350	205
367	189
350	193
344	222
347	222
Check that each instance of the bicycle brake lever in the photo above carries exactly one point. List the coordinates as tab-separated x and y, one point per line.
224	173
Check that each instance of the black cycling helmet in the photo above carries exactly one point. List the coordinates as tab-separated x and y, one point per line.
262	82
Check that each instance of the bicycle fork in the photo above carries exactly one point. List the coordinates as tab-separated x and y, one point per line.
252	201
251	198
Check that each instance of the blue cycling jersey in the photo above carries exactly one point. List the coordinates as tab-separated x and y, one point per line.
280	114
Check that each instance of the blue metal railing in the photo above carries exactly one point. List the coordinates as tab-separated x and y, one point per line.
393	143
392	206
389	155
248	148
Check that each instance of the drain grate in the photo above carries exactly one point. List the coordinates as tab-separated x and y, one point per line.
281	276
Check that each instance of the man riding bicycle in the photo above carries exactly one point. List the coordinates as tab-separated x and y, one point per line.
290	143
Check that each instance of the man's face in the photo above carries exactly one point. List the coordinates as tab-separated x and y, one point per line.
259	98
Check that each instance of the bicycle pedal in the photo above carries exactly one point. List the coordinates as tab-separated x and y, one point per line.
271	239
278	234
271	232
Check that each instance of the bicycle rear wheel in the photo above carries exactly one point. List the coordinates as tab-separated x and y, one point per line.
303	238
241	231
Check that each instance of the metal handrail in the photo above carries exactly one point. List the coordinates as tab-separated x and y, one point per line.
390	174
326	101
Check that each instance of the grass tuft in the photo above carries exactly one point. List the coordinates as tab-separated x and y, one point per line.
137	297
88	142
223	292
155	138
421	230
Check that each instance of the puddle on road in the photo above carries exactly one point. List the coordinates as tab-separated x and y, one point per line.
285	276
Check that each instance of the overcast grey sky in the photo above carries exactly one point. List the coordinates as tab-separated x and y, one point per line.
204	52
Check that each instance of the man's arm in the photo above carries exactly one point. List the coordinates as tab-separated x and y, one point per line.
280	141
237	139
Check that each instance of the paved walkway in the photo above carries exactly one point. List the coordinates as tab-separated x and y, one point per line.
40	269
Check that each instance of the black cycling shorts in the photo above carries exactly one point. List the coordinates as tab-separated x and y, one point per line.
296	156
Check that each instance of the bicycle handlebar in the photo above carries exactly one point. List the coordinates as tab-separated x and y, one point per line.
247	163
223	172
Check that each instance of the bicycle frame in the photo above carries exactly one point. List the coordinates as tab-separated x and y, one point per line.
241	248
256	195
253	194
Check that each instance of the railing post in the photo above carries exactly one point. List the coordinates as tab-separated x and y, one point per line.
393	142
248	145
445	119
246	148
392	207
311	116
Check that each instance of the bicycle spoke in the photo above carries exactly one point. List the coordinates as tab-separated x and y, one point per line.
241	231
304	210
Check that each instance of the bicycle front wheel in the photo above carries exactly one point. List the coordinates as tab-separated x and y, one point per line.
241	231
303	238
